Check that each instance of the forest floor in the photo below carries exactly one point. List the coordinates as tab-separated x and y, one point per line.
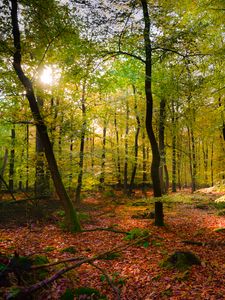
133	271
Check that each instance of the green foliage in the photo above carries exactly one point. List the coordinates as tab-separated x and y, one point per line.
60	213
67	295
70	249
136	233
49	248
40	260
221	229
13	293
109	193
221	213
83	216
116	279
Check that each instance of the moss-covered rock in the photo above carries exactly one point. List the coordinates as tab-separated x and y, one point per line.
181	260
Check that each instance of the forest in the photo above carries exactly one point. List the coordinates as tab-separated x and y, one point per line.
112	149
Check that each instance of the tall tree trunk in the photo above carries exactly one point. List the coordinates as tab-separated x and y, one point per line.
205	151
164	178
126	148
135	143
12	160
102	175
40	172
149	114
71	216
82	142
144	164
118	165
27	157
2	170
211	164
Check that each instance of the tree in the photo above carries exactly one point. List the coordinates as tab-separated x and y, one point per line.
71	216
149	113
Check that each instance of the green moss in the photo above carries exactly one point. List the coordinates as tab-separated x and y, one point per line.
69	249
181	260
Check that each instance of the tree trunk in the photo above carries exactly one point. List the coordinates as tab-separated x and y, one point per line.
135	143
40	188
164	178
71	216
118	166
126	148
12	160
149	114
144	164
82	141
102	175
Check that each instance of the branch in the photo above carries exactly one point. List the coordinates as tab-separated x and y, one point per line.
179	53
3	180
47	281
203	243
117	53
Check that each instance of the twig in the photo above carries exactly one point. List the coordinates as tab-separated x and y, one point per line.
203	243
56	263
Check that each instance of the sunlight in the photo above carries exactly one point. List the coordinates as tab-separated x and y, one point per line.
46	76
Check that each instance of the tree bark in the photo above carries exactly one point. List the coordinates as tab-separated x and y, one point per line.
118	165
125	183
131	186
12	160
71	216
82	142
149	114
102	175
164	178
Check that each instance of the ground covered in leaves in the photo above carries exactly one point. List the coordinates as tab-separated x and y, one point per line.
132	270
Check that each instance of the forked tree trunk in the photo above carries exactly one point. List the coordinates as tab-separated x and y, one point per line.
149	114
71	216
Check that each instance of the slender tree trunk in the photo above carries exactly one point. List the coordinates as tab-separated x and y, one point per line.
126	148
135	143
12	160
93	150
211	164
118	165
205	152
82	142
144	164
102	175
194	162
149	114
40	172
164	178
27	157
2	170
71	216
